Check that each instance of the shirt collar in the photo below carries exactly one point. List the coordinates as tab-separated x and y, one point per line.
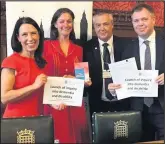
150	38
110	41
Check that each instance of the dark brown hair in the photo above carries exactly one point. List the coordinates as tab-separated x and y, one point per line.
16	45
53	30
139	7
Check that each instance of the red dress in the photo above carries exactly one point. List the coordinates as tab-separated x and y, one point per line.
70	124
26	72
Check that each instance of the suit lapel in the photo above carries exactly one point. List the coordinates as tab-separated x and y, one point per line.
136	52
115	47
97	56
159	51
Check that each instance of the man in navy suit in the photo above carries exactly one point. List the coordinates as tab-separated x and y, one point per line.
143	20
97	51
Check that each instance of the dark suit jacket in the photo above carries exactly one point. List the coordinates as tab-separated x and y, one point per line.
91	54
132	50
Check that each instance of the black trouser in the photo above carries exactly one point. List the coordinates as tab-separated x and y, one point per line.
153	124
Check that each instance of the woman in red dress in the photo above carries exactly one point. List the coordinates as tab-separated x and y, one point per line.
70	123
22	75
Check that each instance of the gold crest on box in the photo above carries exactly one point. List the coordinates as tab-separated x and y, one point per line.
25	136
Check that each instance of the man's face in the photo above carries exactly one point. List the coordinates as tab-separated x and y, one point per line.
103	25
143	22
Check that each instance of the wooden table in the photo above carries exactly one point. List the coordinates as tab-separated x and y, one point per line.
152	142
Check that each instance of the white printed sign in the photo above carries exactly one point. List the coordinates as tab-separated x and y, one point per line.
138	83
63	90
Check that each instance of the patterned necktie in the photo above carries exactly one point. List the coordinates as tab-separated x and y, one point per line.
147	66
107	60
106	56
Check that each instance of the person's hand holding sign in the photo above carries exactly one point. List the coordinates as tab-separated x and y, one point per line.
60	106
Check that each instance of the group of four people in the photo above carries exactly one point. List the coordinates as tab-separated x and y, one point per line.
25	72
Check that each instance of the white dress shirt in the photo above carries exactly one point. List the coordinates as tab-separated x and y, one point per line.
111	52
142	47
